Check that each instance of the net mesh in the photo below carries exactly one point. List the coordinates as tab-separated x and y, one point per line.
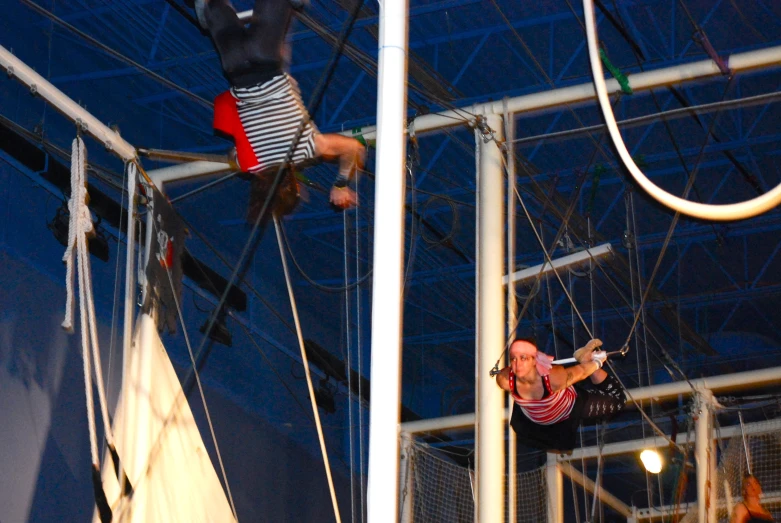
764	450
440	490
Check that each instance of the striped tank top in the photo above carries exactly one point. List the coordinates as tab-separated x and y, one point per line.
551	408
271	114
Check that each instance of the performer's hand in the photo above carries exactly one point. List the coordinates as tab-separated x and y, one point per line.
343	197
584	354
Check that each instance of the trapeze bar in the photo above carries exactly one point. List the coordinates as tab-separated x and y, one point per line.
588	484
739	62
564	261
182	157
87	123
724	383
187	170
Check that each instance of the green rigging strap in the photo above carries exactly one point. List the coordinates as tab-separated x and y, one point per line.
623	81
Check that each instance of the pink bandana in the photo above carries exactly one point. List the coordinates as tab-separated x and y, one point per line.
543	362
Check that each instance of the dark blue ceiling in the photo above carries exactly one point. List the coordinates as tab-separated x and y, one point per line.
716	290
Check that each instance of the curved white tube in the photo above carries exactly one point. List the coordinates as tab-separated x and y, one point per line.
726	212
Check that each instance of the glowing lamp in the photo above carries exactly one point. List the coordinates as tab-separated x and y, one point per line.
652	461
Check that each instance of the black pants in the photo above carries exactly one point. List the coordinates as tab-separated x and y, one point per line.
600	402
604	400
250	54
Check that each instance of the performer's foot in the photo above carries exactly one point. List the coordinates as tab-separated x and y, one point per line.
200	12
299	5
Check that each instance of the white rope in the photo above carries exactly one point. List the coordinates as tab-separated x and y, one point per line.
80	224
734	211
349	367
305	361
80	227
358	349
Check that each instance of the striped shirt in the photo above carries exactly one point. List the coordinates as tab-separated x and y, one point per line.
271	114
552	408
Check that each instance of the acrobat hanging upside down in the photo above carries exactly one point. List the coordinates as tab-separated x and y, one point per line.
263	111
550	401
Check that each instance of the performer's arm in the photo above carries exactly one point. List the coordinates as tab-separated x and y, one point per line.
739	514
561	378
503	379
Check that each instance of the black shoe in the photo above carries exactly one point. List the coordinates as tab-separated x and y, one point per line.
200	11
299	5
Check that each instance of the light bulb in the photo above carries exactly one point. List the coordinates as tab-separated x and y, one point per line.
651	460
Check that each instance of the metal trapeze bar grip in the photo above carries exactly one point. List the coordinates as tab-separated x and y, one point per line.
567	361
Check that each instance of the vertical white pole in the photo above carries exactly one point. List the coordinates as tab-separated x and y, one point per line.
387	297
490	325
703	449
555	481
512	309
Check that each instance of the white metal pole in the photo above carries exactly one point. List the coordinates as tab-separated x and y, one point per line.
40	86
387	296
555	481
703	448
490	323
512	311
739	62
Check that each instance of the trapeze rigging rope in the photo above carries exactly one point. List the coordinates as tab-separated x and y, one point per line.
564	224
580	317
676	217
305	361
360	357
560	232
197	379
257	295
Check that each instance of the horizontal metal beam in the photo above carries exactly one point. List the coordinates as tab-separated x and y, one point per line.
740	62
637	445
723	383
681	112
